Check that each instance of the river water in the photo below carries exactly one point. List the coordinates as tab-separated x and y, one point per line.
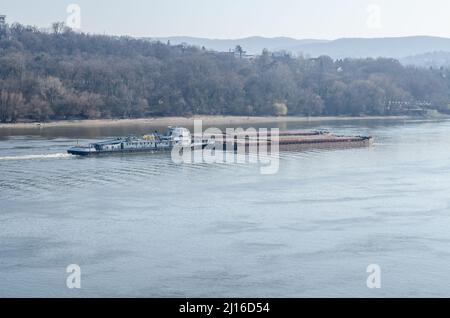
144	226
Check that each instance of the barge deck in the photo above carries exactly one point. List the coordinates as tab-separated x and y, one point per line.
295	140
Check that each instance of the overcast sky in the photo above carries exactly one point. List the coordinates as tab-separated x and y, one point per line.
323	19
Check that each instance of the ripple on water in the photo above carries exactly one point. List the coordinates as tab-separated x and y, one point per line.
147	226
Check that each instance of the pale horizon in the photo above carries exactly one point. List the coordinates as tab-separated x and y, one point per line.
213	19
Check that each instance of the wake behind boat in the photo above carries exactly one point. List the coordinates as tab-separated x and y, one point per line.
175	136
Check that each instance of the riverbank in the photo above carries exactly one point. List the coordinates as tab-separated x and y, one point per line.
184	121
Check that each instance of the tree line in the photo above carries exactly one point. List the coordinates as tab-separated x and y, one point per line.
66	75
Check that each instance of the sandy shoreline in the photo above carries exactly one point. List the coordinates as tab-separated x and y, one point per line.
183	121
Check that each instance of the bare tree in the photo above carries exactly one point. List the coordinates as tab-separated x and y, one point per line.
58	27
10	105
239	50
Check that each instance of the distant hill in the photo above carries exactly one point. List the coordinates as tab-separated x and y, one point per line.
376	47
433	59
252	45
398	48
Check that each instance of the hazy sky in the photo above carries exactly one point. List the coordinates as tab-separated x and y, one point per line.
324	19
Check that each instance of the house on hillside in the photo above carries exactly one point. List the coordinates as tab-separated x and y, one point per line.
240	54
413	108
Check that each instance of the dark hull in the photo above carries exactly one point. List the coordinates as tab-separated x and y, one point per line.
300	143
123	151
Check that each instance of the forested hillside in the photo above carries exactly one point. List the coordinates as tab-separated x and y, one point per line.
66	75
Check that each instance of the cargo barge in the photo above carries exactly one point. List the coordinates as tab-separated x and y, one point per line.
295	140
249	141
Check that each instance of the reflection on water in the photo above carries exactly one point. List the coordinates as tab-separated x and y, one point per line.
141	225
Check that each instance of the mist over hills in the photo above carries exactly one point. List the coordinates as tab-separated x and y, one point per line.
375	47
252	45
432	59
402	48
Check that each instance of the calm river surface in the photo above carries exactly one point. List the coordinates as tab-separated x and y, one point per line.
142	225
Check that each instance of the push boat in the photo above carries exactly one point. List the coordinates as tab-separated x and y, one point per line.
175	136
